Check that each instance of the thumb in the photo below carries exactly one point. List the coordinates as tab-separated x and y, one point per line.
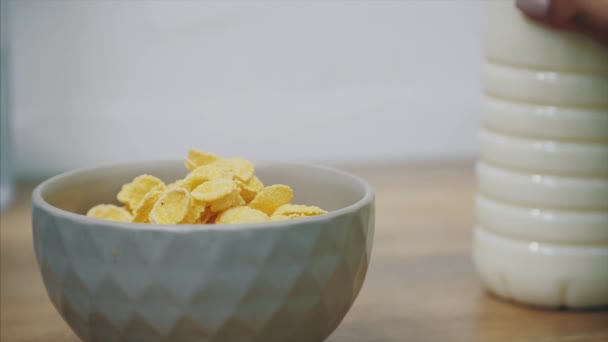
588	16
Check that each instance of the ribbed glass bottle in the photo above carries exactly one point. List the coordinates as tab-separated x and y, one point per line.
542	234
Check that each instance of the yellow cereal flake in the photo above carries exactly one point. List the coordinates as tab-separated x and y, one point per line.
194	213
212	171
279	217
240	201
176	184
299	209
216	190
228	201
171	207
192	181
189	164
132	193
141	213
250	188
110	212
203	174
213	190
241	214
208	217
272	197
241	168
198	158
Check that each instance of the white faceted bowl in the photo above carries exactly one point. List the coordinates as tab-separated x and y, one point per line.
279	281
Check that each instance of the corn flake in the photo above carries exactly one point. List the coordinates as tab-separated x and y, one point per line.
198	158
214	189
191	181
132	193
196	210
299	209
272	197
214	171
141	213
189	164
110	212
240	201
241	168
177	184
250	188
206	216
212	219
241	214
171	207
276	217
226	202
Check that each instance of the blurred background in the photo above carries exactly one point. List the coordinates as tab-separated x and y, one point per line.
338	82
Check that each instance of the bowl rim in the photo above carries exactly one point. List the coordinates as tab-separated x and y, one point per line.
39	202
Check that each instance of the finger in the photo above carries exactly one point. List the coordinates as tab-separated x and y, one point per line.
588	16
559	13
565	13
596	13
537	9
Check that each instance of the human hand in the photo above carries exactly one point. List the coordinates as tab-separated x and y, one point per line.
587	16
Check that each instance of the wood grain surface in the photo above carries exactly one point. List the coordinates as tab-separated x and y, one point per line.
421	285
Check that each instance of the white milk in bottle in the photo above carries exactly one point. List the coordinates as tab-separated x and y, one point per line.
542	234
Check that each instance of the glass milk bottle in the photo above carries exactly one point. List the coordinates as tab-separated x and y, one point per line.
542	233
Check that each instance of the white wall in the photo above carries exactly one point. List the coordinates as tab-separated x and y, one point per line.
324	81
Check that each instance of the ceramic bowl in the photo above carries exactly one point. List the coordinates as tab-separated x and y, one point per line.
279	281
542	274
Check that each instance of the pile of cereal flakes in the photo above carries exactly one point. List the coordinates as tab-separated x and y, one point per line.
217	190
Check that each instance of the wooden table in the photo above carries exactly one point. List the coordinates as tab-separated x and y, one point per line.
421	285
